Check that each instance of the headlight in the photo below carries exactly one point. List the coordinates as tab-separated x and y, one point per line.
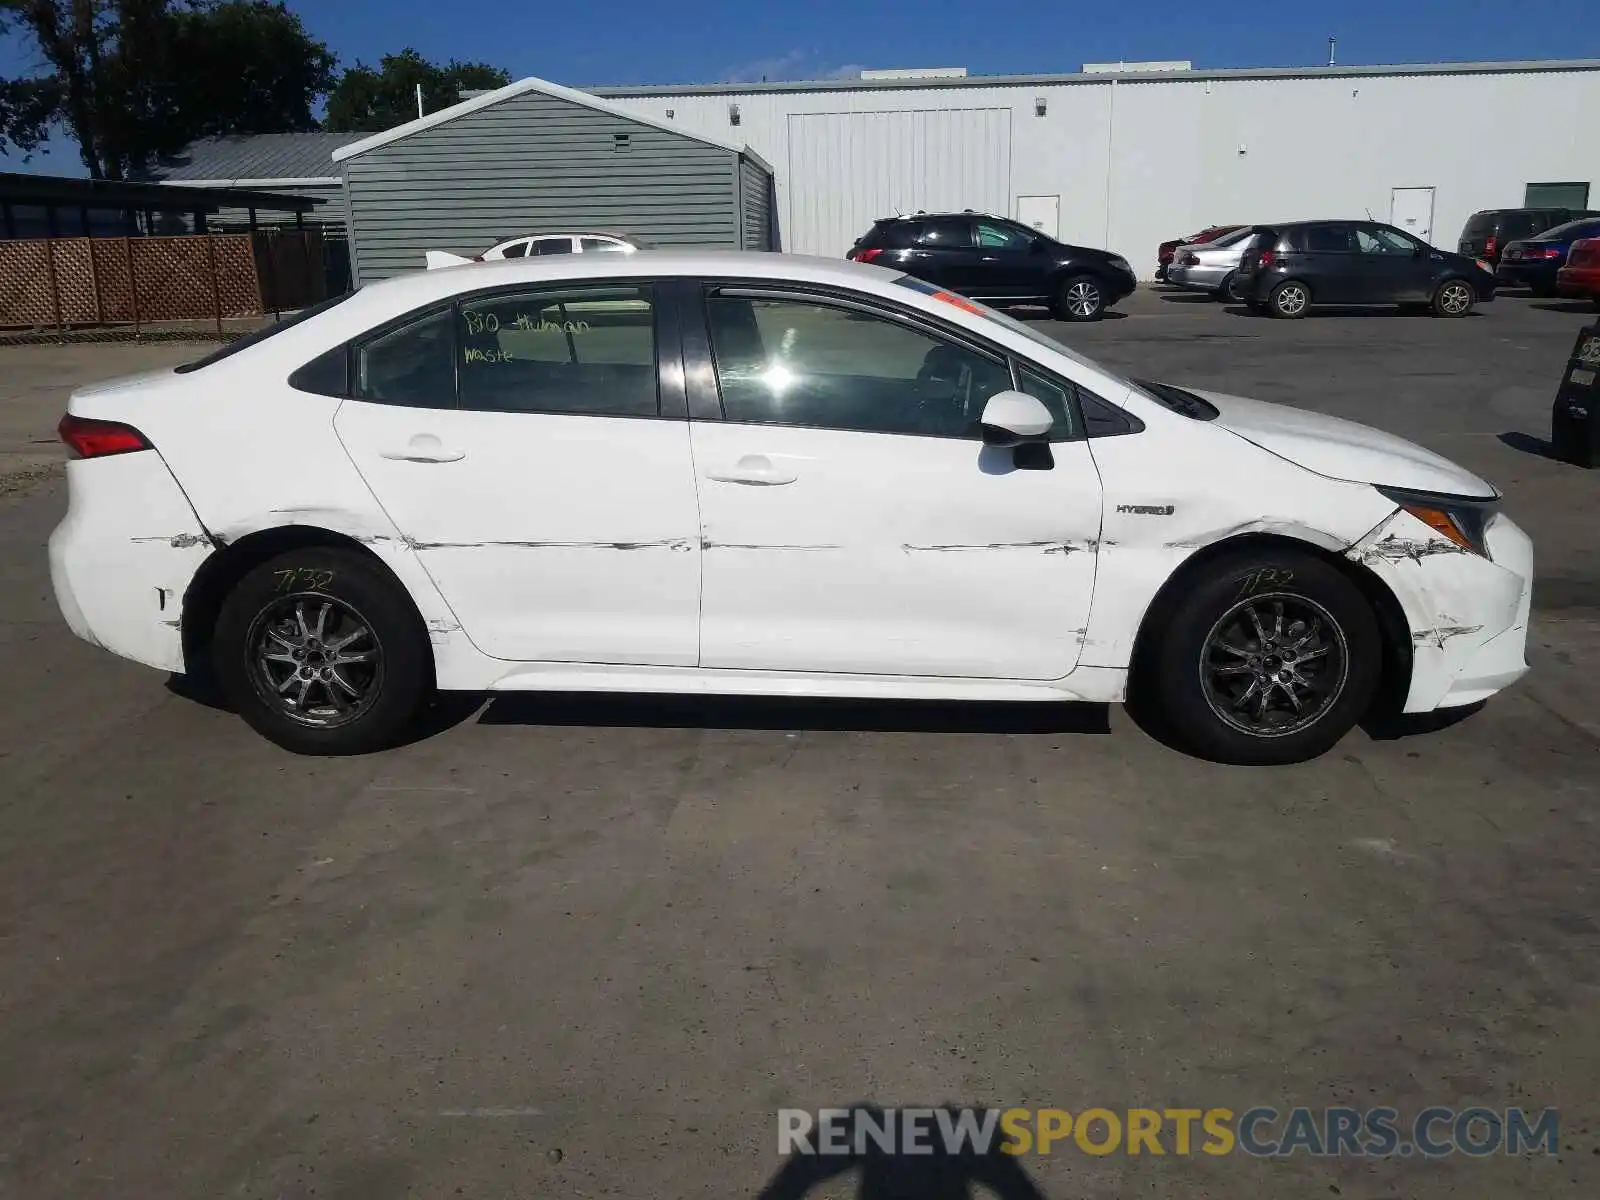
1464	520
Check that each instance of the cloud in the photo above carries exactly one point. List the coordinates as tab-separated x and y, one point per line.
796	64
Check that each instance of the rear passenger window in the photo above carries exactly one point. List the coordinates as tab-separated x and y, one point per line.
553	246
944	234
588	350
412	366
1327	239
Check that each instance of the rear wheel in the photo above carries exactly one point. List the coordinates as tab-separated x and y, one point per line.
320	651
1225	288
1289	300
1271	657
1079	298
1453	298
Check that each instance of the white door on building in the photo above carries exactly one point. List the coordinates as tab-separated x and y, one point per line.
1040	212
1411	209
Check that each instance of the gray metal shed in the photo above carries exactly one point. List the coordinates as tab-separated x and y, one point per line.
538	157
290	164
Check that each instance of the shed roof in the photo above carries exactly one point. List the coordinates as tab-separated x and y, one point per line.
278	158
58	190
522	87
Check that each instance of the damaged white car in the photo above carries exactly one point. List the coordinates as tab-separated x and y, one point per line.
755	474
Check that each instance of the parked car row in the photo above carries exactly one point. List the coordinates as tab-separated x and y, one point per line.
1288	268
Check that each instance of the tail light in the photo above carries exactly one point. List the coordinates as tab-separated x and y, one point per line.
1267	258
1188	260
865	256
1544	252
88	438
1489	244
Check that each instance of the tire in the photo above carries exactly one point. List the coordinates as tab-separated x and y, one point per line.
1207	675
1079	298
1289	300
1453	298
1224	292
279	661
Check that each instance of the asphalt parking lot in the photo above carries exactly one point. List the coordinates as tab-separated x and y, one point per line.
588	946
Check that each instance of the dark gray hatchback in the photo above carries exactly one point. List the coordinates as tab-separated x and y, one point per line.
1288	269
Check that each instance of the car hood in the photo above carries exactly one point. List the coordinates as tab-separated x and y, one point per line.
1343	449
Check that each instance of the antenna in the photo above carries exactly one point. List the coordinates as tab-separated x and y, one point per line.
1333	45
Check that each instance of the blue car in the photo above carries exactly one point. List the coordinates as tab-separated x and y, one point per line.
1533	262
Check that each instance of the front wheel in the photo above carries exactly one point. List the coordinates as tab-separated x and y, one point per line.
321	651
1271	657
1079	298
1453	298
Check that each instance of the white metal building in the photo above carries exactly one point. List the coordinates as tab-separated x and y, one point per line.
1125	157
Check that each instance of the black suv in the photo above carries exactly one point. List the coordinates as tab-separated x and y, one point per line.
1286	269
1000	261
1486	233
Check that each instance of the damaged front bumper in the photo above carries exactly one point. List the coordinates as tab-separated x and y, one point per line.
1468	614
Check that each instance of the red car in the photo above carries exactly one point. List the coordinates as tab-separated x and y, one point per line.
1166	250
1581	276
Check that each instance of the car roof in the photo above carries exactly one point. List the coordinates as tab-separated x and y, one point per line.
943	216
419	287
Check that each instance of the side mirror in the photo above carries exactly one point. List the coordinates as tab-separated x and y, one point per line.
1012	418
1419	251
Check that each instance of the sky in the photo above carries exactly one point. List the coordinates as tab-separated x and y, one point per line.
701	41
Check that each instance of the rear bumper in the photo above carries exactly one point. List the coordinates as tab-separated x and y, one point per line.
1468	615
1578	281
1200	278
123	556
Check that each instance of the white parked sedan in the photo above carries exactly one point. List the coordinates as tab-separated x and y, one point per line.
756	474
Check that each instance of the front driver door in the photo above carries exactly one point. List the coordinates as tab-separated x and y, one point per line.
1008	266
554	504
1400	268
852	519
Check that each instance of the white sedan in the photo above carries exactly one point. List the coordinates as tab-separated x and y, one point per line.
538	246
754	474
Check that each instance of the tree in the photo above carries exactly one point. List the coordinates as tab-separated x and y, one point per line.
134	81
368	101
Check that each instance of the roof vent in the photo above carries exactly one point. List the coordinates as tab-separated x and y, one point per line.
1132	68
918	73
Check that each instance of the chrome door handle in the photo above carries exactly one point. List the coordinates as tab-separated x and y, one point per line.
424	448
756	470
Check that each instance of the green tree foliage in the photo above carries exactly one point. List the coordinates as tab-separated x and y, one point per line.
370	101
133	81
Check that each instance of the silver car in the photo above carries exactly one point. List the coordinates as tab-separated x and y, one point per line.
1209	267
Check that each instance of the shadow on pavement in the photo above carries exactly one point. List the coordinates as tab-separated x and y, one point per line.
596	709
1392	727
939	1173
1528	444
1569	306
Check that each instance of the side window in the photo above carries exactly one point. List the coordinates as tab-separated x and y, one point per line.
588	350
601	246
1003	237
552	246
516	250
1055	396
1377	240
1327	239
412	366
803	362
945	233
895	235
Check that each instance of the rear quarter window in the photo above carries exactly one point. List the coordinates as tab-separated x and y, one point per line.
892	235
